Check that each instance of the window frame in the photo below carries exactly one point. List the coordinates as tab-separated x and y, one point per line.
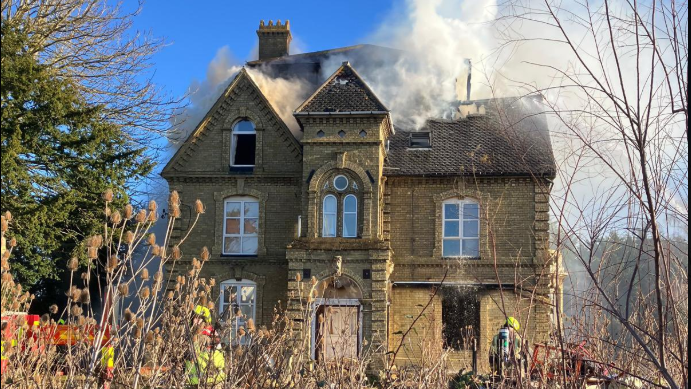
426	135
233	142
461	219
242	200
222	306
344	213
334	214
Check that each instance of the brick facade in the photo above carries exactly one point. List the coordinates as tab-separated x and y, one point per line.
395	260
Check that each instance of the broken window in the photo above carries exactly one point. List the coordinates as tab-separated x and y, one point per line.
243	144
420	140
460	317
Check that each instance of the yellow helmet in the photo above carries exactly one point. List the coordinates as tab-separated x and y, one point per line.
513	323
204	312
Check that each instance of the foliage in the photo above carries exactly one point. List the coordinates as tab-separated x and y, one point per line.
59	153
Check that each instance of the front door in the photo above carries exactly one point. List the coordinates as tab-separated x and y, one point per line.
337	334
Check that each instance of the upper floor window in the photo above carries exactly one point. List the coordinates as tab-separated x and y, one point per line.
241	226
243	144
350	216
340	207
329	216
461	228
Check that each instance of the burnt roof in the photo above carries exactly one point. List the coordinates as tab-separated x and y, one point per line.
510	139
344	91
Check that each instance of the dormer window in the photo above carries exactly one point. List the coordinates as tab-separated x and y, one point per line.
420	140
244	141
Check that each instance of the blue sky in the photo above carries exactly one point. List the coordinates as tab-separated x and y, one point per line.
195	30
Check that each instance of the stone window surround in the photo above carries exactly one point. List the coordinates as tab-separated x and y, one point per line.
232	117
460	194
314	222
340	198
237	273
460	221
241	234
220	198
239	283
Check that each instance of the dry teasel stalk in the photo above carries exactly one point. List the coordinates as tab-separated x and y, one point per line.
176	254
196	264
144	275
13	242
72	264
124	289
298	277
153	206
149	338
158	276
151	239
85	276
85	296
250	325
115	218
128	315
53	309
199	207
92	252
8	216
212	282
76	310
108	195
145	293
129	237
137	333
5	225
174	198
170	295
113	263
205	254
140	323
128	211
141	216
203	301
152	217
156	250
175	212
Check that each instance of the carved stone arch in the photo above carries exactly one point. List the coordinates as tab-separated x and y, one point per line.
219	199
238	273
357	280
439	198
347	165
235	114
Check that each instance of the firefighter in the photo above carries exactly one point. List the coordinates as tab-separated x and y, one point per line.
506	347
5	324
210	363
107	365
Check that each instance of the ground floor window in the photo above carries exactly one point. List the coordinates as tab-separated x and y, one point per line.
460	317
237	305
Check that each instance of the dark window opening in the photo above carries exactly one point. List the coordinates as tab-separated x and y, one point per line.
460	317
244	145
420	140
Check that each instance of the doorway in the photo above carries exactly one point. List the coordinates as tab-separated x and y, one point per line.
337	330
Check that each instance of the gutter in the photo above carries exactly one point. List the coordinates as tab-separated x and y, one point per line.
340	113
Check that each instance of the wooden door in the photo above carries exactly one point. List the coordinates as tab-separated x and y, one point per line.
338	333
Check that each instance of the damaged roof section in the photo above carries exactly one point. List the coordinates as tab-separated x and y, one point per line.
344	91
510	139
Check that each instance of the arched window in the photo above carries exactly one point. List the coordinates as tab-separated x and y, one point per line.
240	226
237	304
461	228
350	216
329	216
243	144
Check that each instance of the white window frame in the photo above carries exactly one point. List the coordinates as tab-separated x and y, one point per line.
241	235
334	214
232	321
349	213
233	141
460	221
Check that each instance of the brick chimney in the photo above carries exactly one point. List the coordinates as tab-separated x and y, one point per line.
274	39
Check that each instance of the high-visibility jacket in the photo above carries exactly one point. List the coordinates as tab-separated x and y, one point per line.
107	357
217	373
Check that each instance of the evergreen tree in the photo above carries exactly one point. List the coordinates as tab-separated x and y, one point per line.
59	154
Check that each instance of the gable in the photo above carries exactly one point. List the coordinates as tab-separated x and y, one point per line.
207	148
344	91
